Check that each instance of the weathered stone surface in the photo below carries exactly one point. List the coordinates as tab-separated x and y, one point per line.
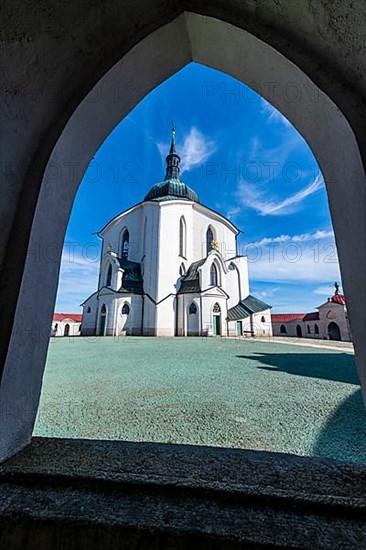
83	494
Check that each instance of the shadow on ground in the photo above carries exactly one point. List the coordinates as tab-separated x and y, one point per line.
344	434
339	367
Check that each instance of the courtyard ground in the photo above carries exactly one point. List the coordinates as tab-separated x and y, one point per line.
250	394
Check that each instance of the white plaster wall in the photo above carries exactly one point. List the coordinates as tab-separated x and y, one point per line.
60	331
224	235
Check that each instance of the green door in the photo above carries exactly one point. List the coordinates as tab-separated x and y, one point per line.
217	325
239	328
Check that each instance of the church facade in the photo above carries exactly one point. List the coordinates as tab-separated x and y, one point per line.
169	267
329	322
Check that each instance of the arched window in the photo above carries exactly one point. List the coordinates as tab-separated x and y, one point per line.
232	266
125	243
213	275
308	329
263	319
182	237
283	329
125	309
67	329
209	239
109	276
216	308
88	310
316	329
192	309
182	270
102	320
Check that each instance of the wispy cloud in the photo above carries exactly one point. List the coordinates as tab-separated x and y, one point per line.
303	237
324	290
78	278
194	150
272	114
304	258
251	197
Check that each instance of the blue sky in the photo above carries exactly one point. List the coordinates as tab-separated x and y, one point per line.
243	158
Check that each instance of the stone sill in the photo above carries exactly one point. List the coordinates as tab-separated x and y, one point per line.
87	494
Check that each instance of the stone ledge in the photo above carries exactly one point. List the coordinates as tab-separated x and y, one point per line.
58	489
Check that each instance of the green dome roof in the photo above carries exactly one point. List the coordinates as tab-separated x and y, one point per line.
172	187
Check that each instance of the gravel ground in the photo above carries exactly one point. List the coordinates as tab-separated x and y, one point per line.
218	392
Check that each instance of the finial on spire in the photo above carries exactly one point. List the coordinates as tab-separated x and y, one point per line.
336	286
172	160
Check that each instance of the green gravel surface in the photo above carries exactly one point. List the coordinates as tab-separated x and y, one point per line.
218	392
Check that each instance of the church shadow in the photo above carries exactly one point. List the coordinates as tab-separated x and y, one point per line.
339	367
344	435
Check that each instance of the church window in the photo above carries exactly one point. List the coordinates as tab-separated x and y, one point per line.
213	275
182	237
125	243
182	270
88	310
125	309
283	329
263	319
216	308
308	329
231	266
192	309
209	239
316	329
109	276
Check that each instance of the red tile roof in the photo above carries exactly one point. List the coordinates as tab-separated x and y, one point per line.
62	316
285	317
313	316
338	299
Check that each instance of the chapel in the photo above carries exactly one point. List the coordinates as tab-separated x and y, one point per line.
170	267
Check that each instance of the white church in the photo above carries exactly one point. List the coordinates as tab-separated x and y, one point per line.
169	267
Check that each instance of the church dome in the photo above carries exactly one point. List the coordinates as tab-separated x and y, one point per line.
172	188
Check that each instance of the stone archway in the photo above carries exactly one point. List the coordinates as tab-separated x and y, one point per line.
147	64
334	332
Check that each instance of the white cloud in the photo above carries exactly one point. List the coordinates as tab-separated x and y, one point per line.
303	237
78	277
324	290
260	201
272	114
306	258
193	151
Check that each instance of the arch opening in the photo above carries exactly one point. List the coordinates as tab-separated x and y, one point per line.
47	210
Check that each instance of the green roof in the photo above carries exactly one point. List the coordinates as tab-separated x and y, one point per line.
191	282
171	189
246	307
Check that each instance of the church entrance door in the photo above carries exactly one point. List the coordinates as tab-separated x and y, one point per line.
216	319
239	328
333	331
217	325
103	315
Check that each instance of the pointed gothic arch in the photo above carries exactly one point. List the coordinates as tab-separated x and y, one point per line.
125	243
262	62
215	275
210	237
108	280
182	237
